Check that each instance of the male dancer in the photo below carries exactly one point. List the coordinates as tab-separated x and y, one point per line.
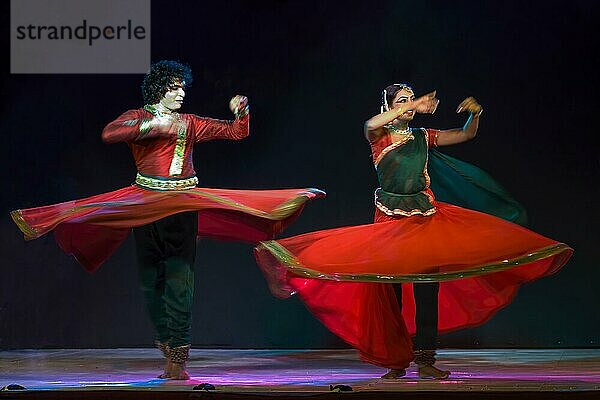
164	206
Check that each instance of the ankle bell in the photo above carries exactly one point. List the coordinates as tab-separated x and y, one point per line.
180	354
424	357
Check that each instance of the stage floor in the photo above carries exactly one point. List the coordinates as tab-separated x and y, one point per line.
297	372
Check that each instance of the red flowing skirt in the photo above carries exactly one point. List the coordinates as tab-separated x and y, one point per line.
91	229
480	259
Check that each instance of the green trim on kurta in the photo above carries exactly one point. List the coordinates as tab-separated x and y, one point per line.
288	260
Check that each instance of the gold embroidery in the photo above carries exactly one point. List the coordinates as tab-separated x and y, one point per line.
435	138
397	211
147	182
392	147
280	212
28	231
429	195
427	179
288	260
179	152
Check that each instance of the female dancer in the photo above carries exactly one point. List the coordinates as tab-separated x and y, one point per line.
475	260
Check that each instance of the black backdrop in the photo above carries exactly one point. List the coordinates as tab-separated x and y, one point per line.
313	72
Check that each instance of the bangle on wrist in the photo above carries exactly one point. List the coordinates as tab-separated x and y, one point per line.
243	112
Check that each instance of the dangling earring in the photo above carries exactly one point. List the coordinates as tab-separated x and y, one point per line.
384	106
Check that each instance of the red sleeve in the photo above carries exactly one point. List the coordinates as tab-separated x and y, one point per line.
126	128
208	129
432	137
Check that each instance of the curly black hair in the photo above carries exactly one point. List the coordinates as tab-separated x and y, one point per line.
161	76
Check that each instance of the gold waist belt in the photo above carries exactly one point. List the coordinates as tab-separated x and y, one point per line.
165	184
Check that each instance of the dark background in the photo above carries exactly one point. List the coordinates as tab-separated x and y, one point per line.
313	72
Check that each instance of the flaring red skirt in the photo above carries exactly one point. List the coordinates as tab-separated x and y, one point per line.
339	273
91	229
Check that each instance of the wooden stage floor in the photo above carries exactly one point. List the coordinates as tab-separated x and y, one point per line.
237	374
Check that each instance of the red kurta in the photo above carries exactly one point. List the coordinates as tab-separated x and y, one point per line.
168	153
91	229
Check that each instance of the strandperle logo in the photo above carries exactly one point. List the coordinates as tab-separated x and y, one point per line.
80	36
84	31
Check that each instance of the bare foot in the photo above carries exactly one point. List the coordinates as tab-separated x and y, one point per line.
178	372
431	372
394	374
